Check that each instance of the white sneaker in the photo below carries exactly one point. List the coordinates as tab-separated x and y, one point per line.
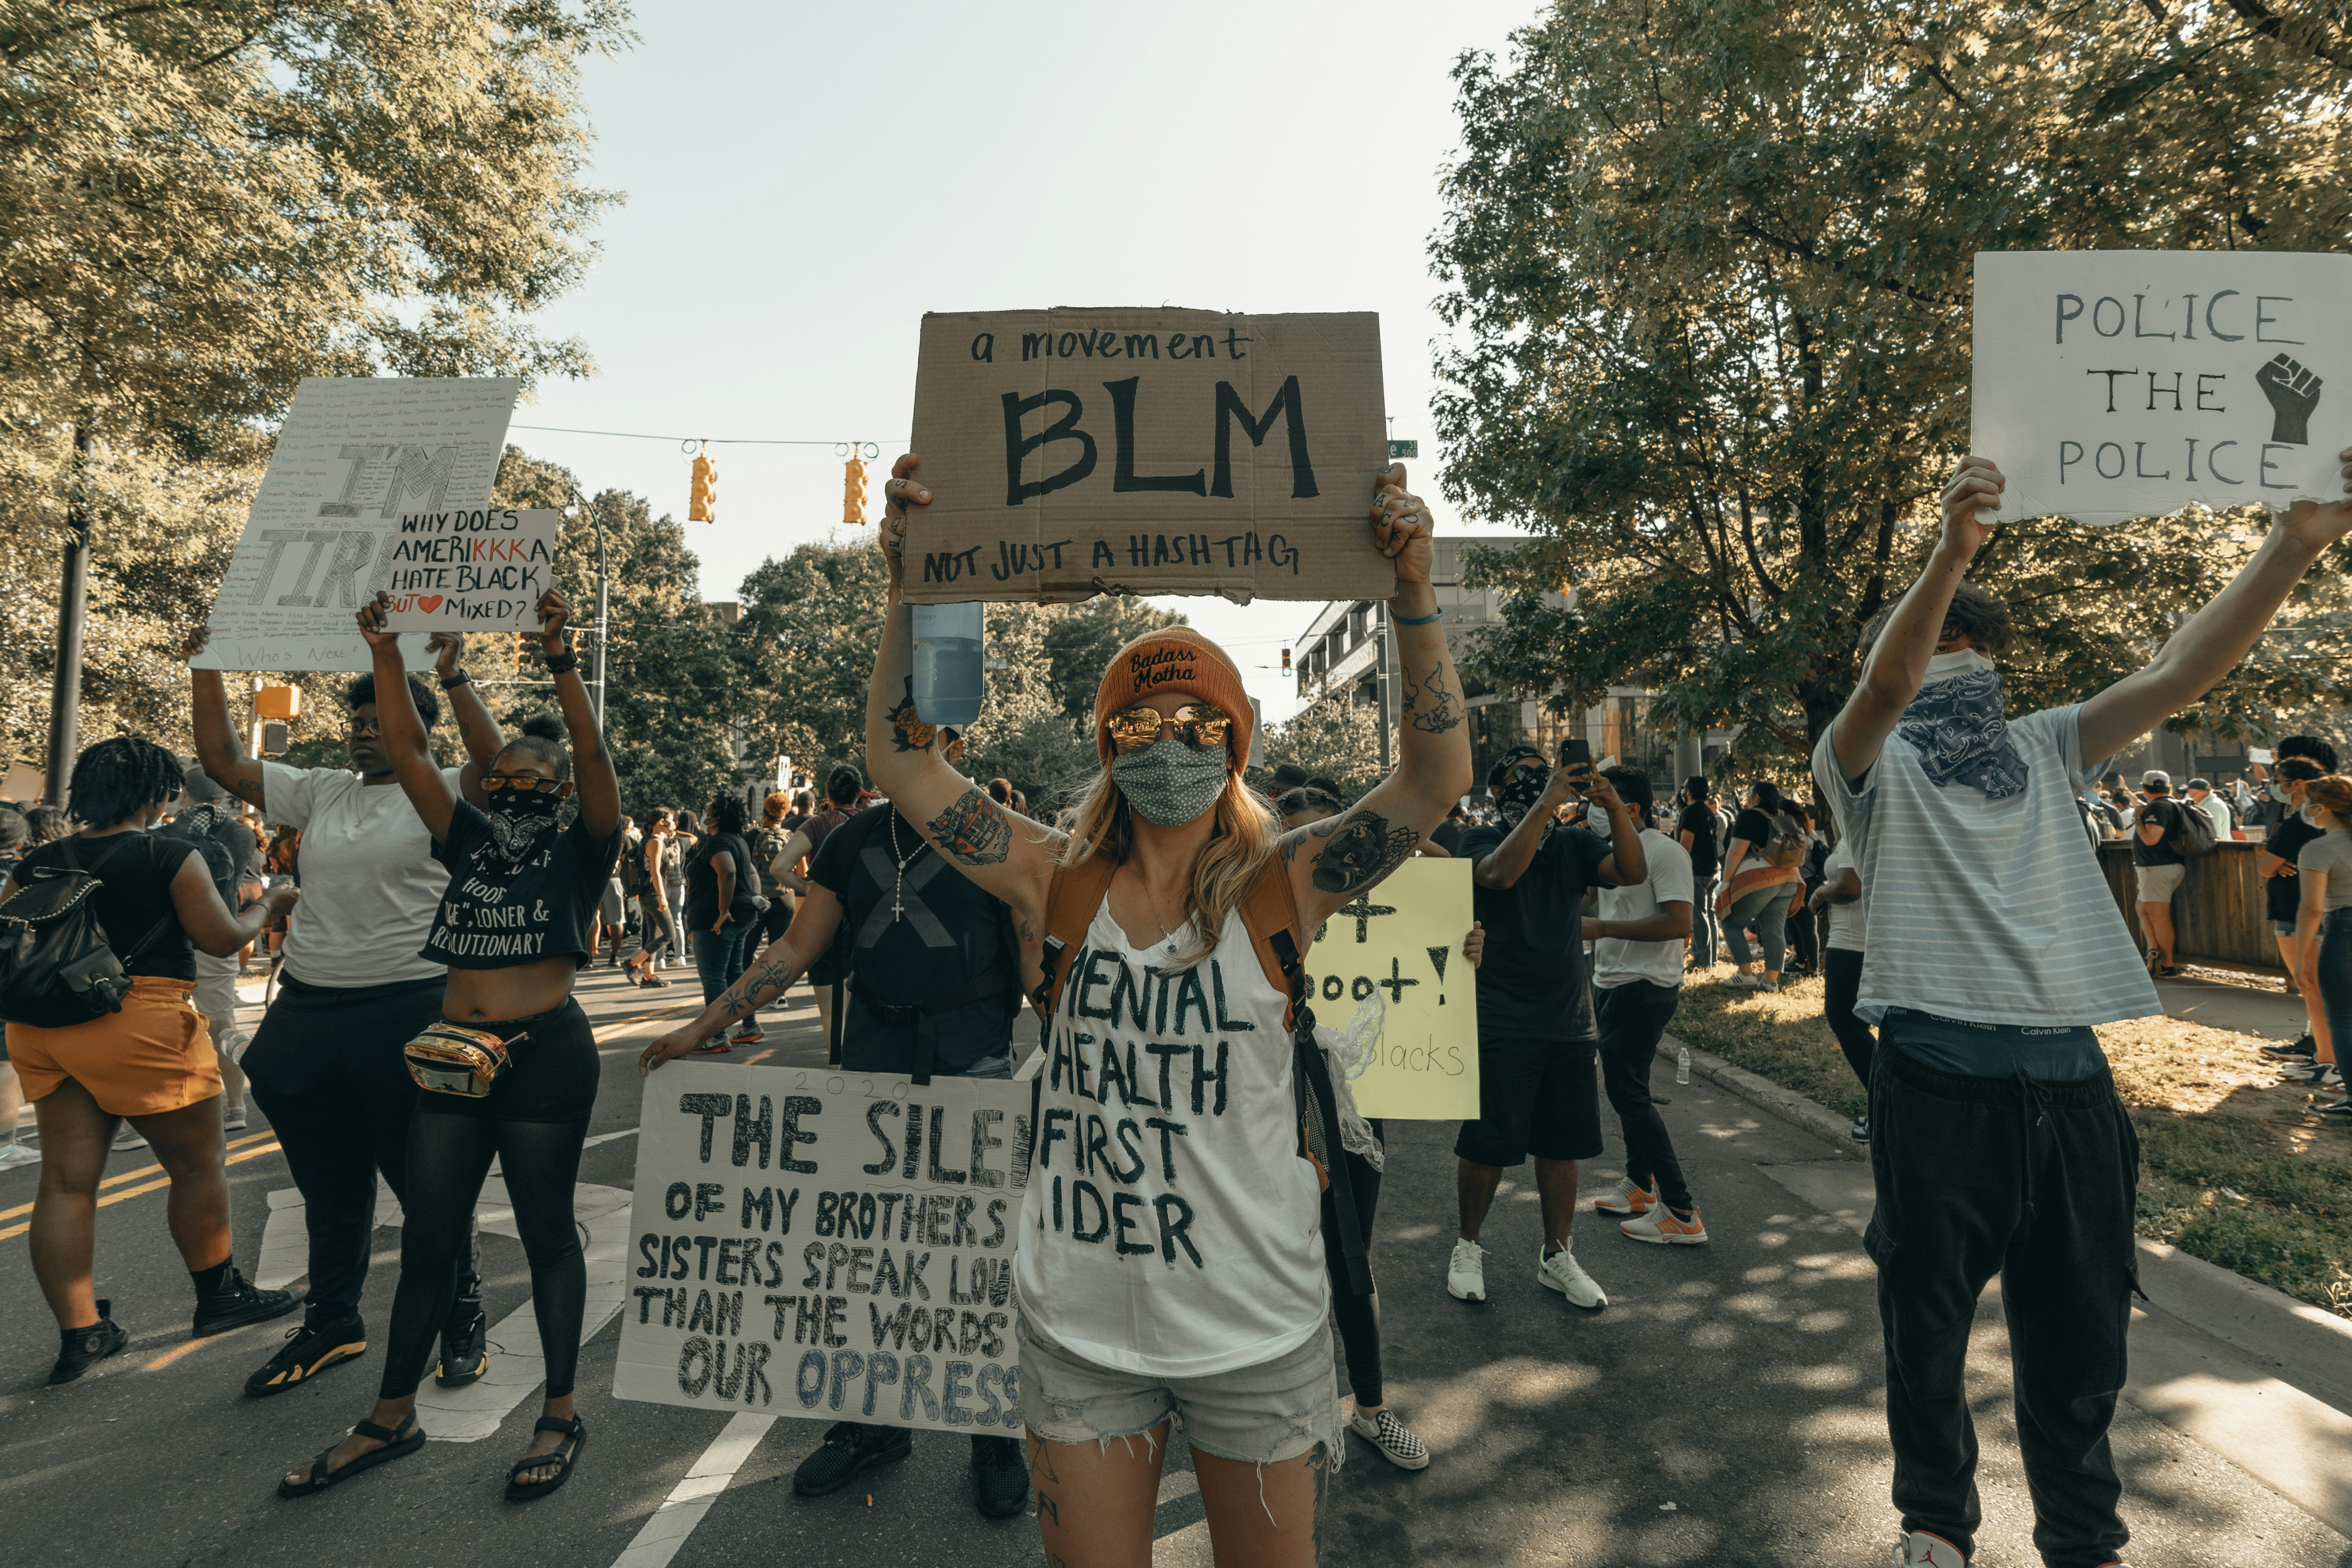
233	1119
1560	1271
128	1138
1661	1226
1625	1198
14	1153
1388	1434
1921	1550
1465	1272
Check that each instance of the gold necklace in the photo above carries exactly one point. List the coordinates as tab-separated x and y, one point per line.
1145	884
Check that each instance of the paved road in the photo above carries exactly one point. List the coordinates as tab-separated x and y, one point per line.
1724	1409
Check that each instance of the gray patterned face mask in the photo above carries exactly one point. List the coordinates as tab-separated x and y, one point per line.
1169	782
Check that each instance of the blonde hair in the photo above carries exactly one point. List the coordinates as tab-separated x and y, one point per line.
1241	842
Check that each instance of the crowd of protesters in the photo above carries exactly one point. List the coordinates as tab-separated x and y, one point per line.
1941	875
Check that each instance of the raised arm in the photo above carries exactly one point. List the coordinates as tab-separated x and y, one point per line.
1001	850
785	961
404	728
1897	665
1346	854
2195	658
480	733
218	745
596	785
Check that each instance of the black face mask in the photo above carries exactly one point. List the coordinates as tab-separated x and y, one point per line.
1520	793
524	804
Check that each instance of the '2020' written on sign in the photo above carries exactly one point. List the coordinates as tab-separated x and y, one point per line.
832	1246
2115	384
1077	451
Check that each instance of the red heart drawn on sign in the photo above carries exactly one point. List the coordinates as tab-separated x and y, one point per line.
428	603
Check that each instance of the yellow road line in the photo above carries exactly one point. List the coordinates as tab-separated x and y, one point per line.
147	1187
135	1176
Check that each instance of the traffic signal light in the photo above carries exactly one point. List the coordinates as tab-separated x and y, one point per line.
1285	660
702	498
521	649
277	702
853	492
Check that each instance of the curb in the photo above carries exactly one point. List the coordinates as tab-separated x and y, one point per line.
2268	1325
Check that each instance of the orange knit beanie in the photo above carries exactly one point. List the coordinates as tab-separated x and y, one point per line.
1181	660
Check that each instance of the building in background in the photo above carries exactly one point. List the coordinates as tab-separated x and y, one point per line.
1341	653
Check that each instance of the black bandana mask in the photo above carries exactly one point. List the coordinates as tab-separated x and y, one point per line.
521	820
1955	724
1520	793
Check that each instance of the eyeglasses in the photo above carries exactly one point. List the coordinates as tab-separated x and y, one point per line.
493	782
360	726
1200	726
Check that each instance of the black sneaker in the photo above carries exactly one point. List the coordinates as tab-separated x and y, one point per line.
1000	1477
80	1349
2335	1110
2302	1047
1861	1133
465	1344
238	1303
849	1450
308	1352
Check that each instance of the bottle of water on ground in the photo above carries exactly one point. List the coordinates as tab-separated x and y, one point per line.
1682	1064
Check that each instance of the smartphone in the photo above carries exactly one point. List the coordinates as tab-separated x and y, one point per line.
2261	754
1576	753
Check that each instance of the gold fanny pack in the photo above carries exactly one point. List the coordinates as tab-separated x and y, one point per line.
450	1059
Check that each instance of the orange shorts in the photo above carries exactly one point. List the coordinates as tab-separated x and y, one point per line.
153	1056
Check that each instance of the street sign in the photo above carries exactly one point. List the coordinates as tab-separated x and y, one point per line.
1400	450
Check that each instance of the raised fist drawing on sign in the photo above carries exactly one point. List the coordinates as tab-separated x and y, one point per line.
2293	392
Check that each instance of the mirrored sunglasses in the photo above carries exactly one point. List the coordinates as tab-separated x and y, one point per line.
1200	726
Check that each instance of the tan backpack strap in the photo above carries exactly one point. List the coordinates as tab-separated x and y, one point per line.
1071	900
1270	906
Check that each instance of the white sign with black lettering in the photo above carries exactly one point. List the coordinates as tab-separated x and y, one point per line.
832	1246
2112	384
354	455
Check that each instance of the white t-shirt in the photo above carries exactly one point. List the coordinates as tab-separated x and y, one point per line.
1982	910
1173	1228
1848	920
2217	812
370	883
1617	959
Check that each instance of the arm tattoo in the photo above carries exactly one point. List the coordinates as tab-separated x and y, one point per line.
1440	713
1363	849
973	831
907	731
771	978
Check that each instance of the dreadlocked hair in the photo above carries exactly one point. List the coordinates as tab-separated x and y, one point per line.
1241	842
122	777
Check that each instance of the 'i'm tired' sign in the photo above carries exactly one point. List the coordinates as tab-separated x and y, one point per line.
1077	452
2111	384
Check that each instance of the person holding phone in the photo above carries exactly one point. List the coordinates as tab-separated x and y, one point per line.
1538	1041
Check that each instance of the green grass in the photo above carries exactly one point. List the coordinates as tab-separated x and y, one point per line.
2292	1232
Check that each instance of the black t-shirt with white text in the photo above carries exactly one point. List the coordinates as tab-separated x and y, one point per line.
915	936
1532	981
2165	814
519	890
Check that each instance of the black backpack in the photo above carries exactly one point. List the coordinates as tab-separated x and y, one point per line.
57	965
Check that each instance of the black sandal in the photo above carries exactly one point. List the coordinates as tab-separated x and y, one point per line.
519	1490
395	1446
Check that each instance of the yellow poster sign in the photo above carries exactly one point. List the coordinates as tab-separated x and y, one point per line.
1399	948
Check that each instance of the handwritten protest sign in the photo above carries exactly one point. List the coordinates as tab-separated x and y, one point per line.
478	571
1403	942
2122	383
353	457
1078	452
832	1246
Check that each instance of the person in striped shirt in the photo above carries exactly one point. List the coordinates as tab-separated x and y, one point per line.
1998	1142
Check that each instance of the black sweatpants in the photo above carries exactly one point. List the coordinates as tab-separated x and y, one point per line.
1841	986
2032	1181
1632	1016
1358	1316
326	1069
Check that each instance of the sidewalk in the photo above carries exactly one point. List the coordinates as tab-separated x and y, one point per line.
2246	1009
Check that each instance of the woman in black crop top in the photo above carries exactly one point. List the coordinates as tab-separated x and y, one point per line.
513	930
151	1060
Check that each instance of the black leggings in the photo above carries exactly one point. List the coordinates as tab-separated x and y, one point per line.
1359	1317
1841	983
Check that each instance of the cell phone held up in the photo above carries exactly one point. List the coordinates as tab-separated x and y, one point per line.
1576	752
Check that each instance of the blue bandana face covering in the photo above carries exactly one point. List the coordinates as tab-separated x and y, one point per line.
1955	724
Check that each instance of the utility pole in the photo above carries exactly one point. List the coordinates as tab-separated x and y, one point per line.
604	598
73	599
1381	681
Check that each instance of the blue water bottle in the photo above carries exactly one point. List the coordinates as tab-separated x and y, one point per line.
948	679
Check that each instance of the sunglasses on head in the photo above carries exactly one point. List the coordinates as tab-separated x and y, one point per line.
1200	726
494	782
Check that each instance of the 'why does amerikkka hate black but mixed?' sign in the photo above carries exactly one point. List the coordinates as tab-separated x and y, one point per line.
831	1246
481	570
1077	451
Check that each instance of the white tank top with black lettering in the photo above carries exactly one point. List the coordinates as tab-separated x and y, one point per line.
1171	1226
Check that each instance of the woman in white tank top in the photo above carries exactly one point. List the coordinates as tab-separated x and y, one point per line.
1170	1268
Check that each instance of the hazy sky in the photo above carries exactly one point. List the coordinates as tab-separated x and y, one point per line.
797	200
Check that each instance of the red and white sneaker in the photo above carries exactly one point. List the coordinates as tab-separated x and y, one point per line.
1661	1227
1920	1550
1627	1199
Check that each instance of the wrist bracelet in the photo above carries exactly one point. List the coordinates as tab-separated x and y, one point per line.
454	682
562	663
1397	620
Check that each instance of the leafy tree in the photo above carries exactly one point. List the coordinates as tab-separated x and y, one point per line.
1081	638
1709	265
811	623
1334	736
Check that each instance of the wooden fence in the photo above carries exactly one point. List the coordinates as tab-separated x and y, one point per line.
2219	917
